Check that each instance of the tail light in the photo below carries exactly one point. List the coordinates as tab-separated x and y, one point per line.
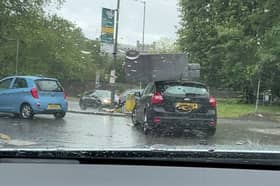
157	98
34	93
213	123
65	95
213	102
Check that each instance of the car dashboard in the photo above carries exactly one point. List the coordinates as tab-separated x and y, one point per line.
70	173
119	168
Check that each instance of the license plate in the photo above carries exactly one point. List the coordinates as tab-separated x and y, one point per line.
187	107
54	107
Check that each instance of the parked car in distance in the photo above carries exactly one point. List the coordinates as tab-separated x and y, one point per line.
97	99
176	105
26	96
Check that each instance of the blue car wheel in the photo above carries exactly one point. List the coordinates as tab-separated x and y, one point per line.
26	111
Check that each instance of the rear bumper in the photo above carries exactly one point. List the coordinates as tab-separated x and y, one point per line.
48	111
184	123
202	121
39	108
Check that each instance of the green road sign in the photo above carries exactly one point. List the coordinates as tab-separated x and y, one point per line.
108	21
108	17
107	38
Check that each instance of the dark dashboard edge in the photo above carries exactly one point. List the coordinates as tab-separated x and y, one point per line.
236	160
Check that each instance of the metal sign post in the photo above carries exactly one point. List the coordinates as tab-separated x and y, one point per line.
115	52
97	80
144	19
258	95
17	57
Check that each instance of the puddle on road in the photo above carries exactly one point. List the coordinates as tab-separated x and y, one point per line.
272	131
241	142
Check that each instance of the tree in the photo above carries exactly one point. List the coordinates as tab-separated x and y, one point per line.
164	45
228	39
269	67
16	19
50	45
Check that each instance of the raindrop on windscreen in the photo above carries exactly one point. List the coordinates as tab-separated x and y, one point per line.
242	142
212	149
203	142
90	134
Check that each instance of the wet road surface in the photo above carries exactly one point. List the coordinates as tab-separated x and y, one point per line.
92	131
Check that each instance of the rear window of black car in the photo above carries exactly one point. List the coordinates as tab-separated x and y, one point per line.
182	89
48	85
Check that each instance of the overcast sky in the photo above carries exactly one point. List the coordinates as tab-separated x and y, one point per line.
161	18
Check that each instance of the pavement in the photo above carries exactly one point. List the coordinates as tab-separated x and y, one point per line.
99	131
73	107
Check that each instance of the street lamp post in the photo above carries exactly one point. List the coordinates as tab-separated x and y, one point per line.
17	52
143	32
115	51
17	57
144	21
258	88
144	24
258	95
260	67
116	42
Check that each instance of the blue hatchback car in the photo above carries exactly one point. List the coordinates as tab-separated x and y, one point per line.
28	95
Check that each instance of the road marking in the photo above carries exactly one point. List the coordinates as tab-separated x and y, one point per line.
20	143
5	137
273	131
9	141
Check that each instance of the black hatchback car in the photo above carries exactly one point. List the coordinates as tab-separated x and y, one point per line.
176	105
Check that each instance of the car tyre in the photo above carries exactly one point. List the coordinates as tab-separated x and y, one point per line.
26	112
210	132
146	129
83	106
59	115
95	106
133	118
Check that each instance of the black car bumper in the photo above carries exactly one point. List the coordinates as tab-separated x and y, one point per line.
201	121
184	123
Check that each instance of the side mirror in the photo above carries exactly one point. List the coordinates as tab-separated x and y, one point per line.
137	94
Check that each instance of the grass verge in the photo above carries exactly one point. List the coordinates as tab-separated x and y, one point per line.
231	108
